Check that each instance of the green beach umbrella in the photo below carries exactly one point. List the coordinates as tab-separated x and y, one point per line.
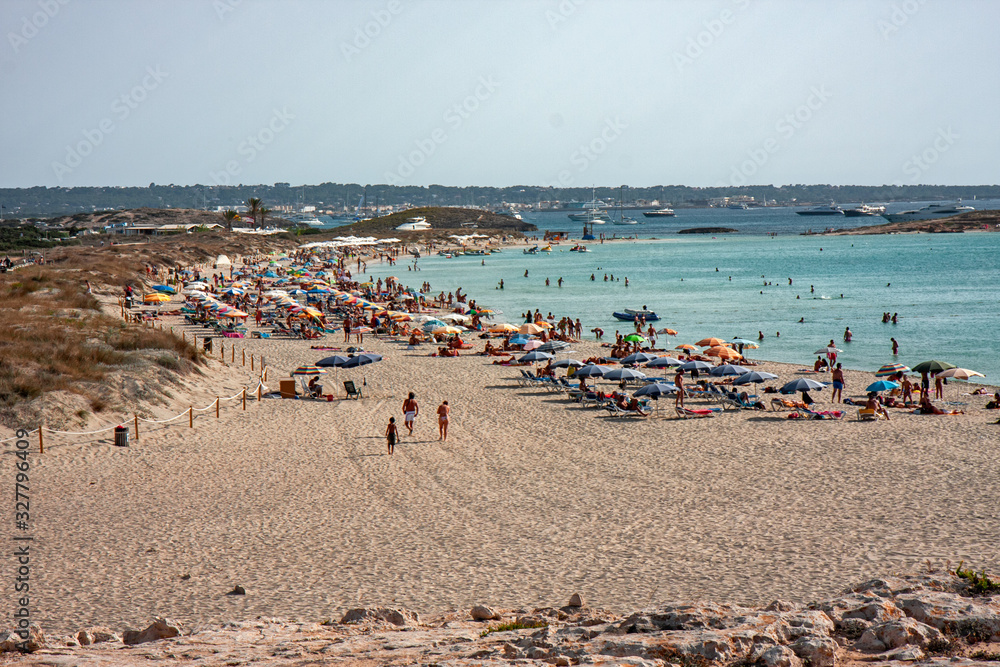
932	366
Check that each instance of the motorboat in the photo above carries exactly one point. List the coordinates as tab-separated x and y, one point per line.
929	212
592	216
533	250
579	248
660	213
629	315
417	224
865	210
832	209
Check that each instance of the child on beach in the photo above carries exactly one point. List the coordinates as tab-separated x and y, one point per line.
391	435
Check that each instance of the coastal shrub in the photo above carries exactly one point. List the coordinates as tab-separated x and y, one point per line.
986	656
514	625
979	583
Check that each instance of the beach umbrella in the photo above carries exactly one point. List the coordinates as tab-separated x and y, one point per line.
421	318
743	341
728	369
530	329
502	328
361	330
433	324
696	366
447	330
801	384
639	358
624	374
710	342
361	360
196	285
166	289
335	360
959	373
686	347
155	298
891	369
755	377
882	385
519	340
635	338
933	366
663	362
309	370
723	352
536	356
234	291
669	332
591	371
567	363
553	346
828	350
533	345
655	389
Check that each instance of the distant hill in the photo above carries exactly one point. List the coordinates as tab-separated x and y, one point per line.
139	216
441	218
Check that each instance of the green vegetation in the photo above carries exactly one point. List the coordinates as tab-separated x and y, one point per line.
28	236
507	627
979	583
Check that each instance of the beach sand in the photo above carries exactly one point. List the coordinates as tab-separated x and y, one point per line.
532	498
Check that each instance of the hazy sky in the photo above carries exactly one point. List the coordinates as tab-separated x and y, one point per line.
499	92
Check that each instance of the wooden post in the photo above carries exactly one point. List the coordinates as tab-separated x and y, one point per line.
244	398
222	350
216	407
232	354
251	362
183	336
259	385
244	357
41	441
190	416
136	418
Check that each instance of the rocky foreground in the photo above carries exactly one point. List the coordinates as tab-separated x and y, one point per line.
916	619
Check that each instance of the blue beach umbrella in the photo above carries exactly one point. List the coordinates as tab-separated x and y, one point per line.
664	362
696	366
728	369
755	377
624	374
591	370
882	385
655	389
639	358
361	360
801	384
166	289
536	356
335	360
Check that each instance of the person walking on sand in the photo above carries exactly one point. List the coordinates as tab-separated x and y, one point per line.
391	434
410	410
443	411
679	383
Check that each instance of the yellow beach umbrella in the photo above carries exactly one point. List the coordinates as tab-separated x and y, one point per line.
155	298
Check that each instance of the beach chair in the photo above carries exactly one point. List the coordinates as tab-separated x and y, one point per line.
697	413
869	415
783	404
615	411
352	391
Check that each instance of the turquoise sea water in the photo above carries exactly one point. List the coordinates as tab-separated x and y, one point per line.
944	287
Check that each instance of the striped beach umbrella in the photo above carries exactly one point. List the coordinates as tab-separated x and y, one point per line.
308	370
891	369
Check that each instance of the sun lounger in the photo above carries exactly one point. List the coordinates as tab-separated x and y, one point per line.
615	411
781	404
689	413
821	414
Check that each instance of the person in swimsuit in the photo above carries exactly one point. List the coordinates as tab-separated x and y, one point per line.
838	385
410	410
679	383
442	413
391	435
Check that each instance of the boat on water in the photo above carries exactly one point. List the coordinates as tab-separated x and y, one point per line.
929	212
591	216
622	219
414	225
660	213
865	210
629	315
579	248
533	250
547	248
305	219
741	207
832	209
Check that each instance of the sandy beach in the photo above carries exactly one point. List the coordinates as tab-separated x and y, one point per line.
532	498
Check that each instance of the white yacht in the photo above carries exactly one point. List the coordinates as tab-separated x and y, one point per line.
929	212
417	224
660	213
592	216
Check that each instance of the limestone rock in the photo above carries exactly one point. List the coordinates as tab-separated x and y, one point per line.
96	635
779	656
792	625
893	634
161	628
387	614
817	651
878	611
904	654
780	605
575	600
11	641
852	628
953	615
484	613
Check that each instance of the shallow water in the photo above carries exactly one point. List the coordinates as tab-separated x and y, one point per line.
942	285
